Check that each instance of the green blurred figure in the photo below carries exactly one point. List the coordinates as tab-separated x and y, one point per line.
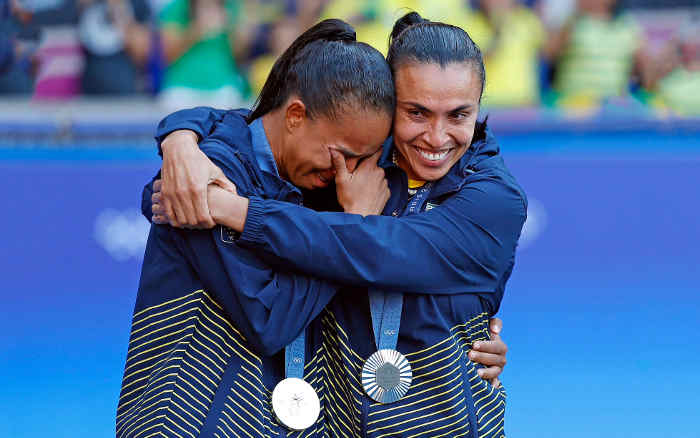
597	53
679	91
199	41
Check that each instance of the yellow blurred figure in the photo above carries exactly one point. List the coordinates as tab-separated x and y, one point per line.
510	37
373	20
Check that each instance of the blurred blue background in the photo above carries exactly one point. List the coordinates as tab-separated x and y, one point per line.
601	314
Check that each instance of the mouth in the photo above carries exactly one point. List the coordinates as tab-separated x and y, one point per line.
432	157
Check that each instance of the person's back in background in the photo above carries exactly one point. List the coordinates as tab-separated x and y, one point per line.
599	51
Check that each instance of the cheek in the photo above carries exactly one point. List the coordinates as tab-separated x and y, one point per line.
463	134
406	130
317	158
462	137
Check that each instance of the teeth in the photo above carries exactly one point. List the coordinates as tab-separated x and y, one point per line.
437	156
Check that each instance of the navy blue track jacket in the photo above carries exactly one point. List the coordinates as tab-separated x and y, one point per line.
452	262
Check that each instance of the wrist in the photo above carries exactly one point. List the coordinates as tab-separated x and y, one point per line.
356	210
179	137
233	214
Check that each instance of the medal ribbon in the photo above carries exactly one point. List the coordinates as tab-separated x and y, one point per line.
294	352
386	307
294	357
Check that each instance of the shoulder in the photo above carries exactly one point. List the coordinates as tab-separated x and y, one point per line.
229	146
486	170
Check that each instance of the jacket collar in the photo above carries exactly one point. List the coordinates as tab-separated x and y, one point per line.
271	185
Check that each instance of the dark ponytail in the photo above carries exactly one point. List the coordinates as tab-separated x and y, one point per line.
328	68
415	39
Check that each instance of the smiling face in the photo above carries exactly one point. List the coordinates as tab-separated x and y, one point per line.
306	158
436	113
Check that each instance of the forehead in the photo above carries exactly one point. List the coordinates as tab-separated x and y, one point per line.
435	87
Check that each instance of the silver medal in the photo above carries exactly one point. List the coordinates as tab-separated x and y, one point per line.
386	376
295	404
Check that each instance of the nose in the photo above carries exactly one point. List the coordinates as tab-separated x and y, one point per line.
437	135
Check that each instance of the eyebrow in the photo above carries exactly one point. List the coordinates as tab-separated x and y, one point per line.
424	109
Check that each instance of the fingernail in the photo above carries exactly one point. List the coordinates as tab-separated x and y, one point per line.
480	373
477	345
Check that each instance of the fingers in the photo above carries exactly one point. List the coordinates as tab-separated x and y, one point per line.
201	210
371	161
490	373
186	205
496	383
225	183
169	208
161	207
374	158
495	326
341	169
491	354
494	346
488	359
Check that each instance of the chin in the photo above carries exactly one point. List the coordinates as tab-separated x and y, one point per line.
431	174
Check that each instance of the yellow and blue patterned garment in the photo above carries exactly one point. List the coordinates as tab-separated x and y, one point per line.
193	367
184	354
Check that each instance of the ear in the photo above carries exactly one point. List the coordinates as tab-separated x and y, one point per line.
295	115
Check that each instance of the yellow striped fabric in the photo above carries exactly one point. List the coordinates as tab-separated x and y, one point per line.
180	350
436	403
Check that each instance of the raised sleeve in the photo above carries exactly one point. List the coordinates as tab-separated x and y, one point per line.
464	245
201	120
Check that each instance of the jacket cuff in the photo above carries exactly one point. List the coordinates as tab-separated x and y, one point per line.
163	132
253	229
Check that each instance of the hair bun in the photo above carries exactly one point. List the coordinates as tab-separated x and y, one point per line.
405	22
333	30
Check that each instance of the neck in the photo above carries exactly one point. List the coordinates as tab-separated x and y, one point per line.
273	127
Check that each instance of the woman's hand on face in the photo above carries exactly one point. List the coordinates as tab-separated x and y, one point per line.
491	353
186	174
364	191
